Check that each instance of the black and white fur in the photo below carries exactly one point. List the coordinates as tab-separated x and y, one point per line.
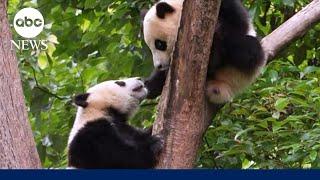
236	55
101	138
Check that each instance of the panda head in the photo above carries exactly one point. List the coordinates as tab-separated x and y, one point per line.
122	96
160	29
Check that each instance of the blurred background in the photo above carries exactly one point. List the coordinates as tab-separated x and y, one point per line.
273	124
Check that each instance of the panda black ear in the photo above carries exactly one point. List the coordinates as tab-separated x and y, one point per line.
81	100
163	8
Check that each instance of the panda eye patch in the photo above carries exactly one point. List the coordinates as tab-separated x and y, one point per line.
161	45
121	83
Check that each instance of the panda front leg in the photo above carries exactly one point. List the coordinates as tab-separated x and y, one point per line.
156	145
155	82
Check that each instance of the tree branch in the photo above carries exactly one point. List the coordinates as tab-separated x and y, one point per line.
184	114
183	100
292	29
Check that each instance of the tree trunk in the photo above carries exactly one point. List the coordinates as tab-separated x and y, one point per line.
17	146
184	115
183	102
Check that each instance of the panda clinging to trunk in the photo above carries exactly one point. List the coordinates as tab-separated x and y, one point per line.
236	54
101	138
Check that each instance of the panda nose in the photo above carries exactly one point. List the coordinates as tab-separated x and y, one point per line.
138	88
159	67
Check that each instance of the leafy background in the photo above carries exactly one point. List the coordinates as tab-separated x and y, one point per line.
273	124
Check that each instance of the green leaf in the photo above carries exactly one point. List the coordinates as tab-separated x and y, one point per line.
90	4
42	60
295	157
53	39
281	104
51	49
289	2
313	155
273	75
246	164
85	25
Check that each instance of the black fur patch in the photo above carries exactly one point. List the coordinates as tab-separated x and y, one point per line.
143	13
104	143
233	18
163	8
121	83
232	47
242	52
116	114
81	100
155	82
160	45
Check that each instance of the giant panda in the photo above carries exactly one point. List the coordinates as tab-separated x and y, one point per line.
101	137
236	54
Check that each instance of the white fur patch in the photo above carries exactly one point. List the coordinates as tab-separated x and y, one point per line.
163	29
109	94
252	31
166	30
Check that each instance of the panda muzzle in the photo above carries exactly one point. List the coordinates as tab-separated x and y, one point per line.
138	88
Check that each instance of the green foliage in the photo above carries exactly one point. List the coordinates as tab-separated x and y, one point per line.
89	42
274	124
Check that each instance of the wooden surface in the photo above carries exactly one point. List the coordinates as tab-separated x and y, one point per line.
17	147
184	115
182	109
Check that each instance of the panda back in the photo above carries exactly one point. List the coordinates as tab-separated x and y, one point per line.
105	144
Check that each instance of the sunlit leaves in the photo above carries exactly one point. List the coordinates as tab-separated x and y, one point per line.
282	106
88	42
42	60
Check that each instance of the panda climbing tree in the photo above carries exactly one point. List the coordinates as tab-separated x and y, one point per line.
183	102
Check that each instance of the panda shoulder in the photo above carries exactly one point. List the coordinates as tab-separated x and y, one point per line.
96	128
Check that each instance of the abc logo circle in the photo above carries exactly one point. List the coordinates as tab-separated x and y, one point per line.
28	22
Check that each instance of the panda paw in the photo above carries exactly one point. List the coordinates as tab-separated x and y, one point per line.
218	92
157	144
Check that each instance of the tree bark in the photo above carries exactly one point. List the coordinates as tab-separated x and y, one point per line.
17	146
184	114
292	29
183	102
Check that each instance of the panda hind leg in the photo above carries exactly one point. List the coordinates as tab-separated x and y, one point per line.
226	83
218	92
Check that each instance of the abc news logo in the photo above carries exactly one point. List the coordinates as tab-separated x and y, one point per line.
29	23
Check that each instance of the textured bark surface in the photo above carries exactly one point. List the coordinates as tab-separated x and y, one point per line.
184	115
183	102
17	146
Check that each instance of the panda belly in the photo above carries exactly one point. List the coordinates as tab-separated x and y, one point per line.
102	144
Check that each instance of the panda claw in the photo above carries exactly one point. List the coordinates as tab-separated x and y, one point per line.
216	91
158	144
